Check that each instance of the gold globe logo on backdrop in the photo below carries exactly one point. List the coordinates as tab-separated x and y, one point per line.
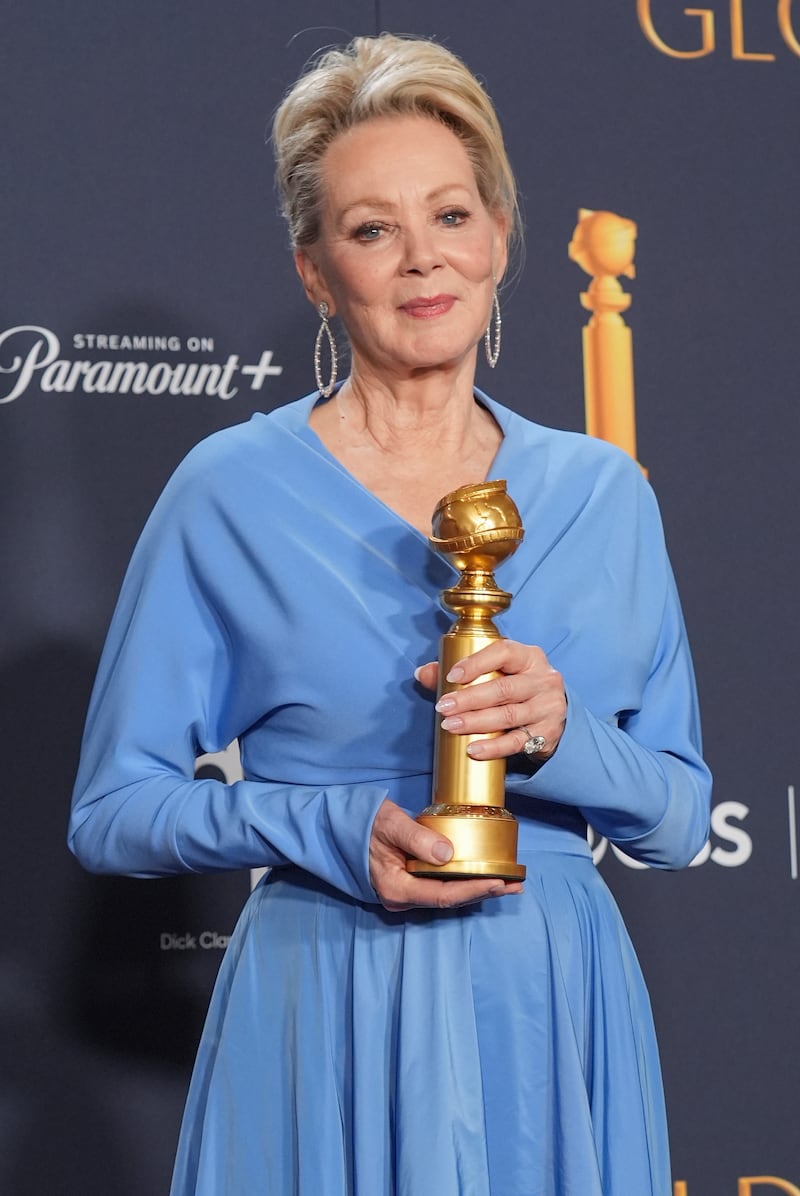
603	245
704	22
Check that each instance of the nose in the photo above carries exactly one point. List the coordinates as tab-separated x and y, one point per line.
421	251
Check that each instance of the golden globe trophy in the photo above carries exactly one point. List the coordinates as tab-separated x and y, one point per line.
603	245
476	527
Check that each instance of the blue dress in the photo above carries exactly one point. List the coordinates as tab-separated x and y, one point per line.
502	1049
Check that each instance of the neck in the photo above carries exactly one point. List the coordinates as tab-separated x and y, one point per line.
433	406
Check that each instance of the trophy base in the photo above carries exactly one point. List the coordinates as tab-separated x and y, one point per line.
484	842
467	870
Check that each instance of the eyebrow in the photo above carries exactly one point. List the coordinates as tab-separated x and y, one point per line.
382	205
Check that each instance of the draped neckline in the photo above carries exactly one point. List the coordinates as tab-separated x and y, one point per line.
302	428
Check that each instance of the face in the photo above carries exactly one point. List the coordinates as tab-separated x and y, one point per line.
407	255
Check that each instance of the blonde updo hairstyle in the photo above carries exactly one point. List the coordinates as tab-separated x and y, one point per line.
384	76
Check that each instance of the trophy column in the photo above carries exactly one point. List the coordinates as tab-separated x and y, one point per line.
475	527
603	245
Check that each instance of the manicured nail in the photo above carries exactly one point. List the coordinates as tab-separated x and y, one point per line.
496	890
454	723
444	704
476	750
442	852
456	673
417	672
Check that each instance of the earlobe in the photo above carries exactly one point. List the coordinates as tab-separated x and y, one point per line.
313	283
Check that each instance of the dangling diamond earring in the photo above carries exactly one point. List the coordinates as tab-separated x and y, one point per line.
325	330
492	354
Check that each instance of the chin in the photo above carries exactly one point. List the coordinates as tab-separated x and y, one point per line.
440	356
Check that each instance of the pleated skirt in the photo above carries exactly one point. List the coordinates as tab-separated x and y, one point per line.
502	1049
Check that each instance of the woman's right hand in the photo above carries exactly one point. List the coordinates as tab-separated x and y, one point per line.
394	837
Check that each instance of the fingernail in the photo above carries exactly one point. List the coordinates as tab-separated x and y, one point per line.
444	704
442	852
475	750
454	723
456	673
496	890
417	672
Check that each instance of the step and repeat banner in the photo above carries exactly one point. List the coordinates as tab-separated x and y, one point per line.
148	298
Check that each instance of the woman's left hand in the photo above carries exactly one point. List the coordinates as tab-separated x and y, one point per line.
526	700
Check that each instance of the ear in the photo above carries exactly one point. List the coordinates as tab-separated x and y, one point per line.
312	280
500	245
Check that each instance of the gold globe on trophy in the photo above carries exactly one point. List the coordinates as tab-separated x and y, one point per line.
476	528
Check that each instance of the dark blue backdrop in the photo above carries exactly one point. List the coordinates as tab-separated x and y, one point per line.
136	199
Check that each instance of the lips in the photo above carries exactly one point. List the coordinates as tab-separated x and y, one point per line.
427	308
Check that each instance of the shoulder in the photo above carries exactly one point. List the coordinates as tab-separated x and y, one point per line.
571	464
234	454
242	445
587	507
230	471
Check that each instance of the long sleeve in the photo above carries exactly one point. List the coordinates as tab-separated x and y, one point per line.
173	683
638	778
604	598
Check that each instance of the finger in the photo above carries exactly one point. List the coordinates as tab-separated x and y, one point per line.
421	843
421	892
505	704
428	674
513	743
398	831
544	714
503	690
396	836
501	656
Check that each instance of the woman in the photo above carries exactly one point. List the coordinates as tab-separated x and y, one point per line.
371	1031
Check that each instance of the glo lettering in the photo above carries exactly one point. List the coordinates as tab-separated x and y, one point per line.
705	35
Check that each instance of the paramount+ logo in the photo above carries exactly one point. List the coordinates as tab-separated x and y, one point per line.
31	357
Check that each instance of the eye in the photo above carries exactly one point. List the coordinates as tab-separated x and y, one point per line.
370	231
453	217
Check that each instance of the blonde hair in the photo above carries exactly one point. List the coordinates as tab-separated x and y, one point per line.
384	76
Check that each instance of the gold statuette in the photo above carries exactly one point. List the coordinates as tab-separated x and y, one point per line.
603	245
476	527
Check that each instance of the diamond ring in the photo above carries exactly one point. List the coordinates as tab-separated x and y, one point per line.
534	744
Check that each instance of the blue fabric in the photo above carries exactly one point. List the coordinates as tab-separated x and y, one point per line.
505	1049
